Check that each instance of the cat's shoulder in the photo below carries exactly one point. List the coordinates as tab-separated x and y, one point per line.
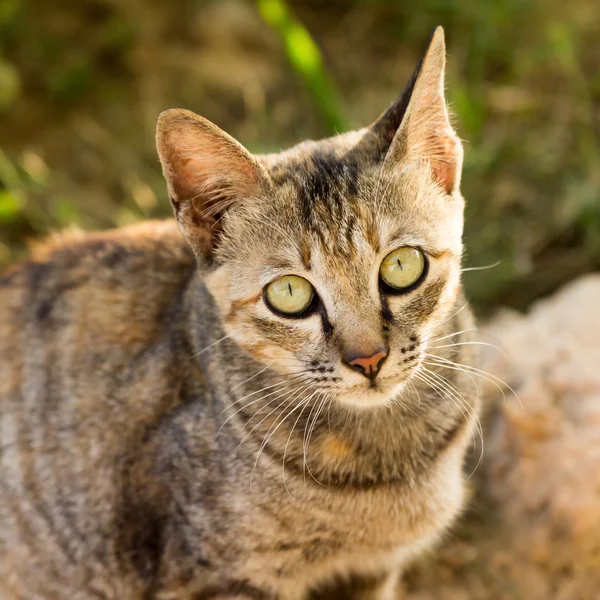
93	275
151	248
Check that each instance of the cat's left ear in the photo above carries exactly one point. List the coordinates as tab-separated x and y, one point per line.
418	122
207	172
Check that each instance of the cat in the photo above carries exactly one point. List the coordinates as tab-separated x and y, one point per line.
258	399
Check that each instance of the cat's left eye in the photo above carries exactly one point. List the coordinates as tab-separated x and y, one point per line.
290	295
403	269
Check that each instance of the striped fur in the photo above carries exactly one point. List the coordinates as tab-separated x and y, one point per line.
165	435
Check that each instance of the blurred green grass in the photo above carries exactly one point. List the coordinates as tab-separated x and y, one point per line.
81	86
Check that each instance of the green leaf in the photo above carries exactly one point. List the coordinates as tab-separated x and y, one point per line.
305	57
10	207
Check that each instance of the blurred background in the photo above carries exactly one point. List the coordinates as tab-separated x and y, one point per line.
81	85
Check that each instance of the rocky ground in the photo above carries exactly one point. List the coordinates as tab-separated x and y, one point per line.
532	531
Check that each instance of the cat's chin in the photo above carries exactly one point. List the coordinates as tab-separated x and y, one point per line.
370	397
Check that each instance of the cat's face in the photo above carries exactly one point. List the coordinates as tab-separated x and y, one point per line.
336	241
335	261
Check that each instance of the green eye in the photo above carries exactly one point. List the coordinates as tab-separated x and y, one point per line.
402	268
289	294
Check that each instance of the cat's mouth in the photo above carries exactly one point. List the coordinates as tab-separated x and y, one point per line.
378	392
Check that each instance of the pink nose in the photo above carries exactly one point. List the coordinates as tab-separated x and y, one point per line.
369	366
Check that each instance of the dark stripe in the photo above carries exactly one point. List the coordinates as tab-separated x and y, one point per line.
347	480
386	313
325	322
425	302
242	588
343	588
350	479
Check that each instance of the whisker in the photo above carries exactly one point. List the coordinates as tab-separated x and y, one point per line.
239	385
466	371
403	405
440	387
455	393
423	378
211	345
290	379
305	404
293	385
498	262
306	446
414	387
449	364
270	435
443	322
288	397
470	410
477	393
432	384
475	329
329	412
306	426
471	344
432	340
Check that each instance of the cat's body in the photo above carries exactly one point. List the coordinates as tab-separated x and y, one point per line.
163	435
115	384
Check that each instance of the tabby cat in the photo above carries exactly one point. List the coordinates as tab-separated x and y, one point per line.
258	399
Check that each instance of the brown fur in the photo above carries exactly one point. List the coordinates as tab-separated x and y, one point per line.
166	435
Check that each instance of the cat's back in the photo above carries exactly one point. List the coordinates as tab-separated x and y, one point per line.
88	362
85	308
94	290
126	261
89	294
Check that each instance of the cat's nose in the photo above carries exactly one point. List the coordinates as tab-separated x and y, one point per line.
369	366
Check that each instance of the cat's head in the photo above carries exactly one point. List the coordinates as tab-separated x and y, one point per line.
336	259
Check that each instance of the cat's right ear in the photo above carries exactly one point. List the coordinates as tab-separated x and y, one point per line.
207	171
417	129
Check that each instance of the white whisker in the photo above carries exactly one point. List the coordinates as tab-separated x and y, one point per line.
449	364
471	344
270	433
455	393
422	376
290	379
277	391
498	262
305	404
445	337
442	387
414	387
307	444
288	397
249	379
211	345
451	388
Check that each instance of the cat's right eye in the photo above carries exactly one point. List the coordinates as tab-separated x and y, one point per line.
289	295
403	269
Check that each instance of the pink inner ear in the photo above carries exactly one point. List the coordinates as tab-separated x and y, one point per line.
216	178
444	162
